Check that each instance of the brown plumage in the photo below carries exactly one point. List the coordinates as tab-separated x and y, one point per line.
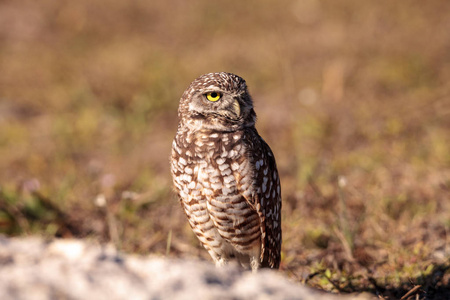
225	174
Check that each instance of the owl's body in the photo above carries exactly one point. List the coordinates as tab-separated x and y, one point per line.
225	174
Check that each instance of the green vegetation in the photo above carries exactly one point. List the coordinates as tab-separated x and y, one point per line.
353	98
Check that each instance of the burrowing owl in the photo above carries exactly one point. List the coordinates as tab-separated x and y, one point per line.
225	174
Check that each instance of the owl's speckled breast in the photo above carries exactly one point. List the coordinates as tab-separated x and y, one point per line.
221	177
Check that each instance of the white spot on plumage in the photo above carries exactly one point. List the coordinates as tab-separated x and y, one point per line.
228	179
182	161
191	185
245	185
186	177
220	160
216	185
226	172
223	167
207	192
227	191
206	184
201	219
213	172
202	175
183	194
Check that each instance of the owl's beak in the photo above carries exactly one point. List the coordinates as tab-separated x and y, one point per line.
237	108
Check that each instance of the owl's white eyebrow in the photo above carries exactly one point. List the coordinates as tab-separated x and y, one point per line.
212	91
211	87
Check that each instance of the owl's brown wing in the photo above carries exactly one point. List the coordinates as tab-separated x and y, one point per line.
266	199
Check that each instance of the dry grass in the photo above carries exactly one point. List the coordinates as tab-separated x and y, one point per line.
353	97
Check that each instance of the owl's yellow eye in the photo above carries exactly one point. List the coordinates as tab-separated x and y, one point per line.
214	96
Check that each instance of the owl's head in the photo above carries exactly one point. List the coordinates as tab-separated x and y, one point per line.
217	101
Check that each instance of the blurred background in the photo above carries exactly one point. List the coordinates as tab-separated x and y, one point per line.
352	96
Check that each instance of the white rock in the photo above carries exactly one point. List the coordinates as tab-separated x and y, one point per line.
33	269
